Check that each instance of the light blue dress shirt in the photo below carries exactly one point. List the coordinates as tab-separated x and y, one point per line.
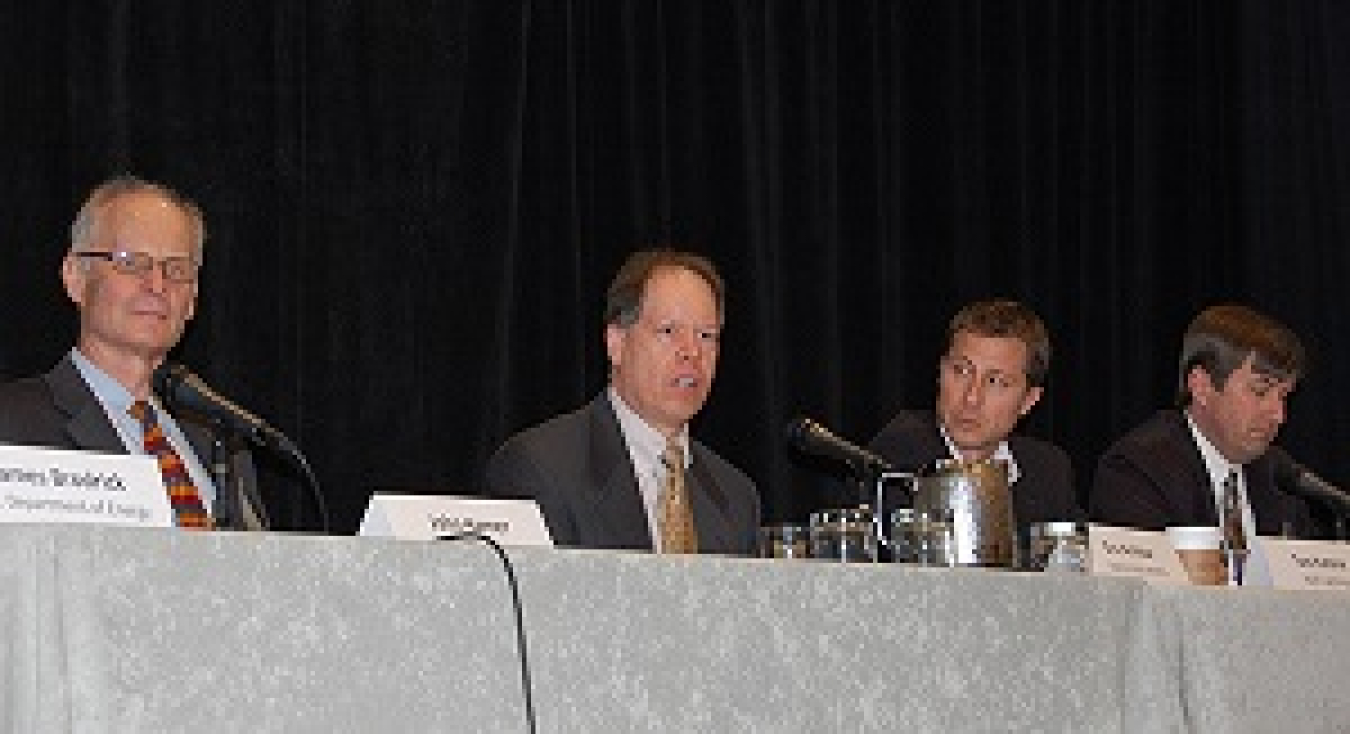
116	401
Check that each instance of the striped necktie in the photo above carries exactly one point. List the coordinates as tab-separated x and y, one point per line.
183	496
1234	543
677	517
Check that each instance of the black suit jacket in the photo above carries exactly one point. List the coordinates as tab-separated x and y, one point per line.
58	410
576	466
1154	476
1043	492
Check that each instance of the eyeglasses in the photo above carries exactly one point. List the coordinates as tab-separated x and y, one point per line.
175	269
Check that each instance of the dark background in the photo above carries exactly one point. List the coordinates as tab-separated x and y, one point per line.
414	206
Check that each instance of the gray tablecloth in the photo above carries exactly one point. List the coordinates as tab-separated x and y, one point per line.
121	630
1260	661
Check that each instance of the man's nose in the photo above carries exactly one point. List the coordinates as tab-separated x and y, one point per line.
973	392
1276	406
154	278
688	346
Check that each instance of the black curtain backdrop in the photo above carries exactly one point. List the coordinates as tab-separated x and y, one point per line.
414	207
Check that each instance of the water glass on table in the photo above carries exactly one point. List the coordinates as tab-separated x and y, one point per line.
1058	546
844	535
784	540
922	537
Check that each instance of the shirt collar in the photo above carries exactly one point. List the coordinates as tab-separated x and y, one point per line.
646	443
1216	464
1002	453
111	393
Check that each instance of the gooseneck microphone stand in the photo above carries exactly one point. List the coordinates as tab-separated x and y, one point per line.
229	505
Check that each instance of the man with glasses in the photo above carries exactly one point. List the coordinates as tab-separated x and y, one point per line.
623	471
131	272
992	374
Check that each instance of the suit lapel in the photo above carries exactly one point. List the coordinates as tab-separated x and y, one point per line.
87	425
709	505
1191	463
1267	502
616	501
934	444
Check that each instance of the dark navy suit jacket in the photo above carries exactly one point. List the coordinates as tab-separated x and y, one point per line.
1154	476
1043	492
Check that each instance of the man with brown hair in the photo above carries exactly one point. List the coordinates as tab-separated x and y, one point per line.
992	374
603	474
1236	372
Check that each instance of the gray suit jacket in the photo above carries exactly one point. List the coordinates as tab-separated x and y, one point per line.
58	410
576	466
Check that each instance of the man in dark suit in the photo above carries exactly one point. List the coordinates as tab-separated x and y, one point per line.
1237	369
992	374
131	271
602	473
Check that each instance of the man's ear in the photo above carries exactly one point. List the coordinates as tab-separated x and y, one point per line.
74	277
615	336
1200	385
1029	401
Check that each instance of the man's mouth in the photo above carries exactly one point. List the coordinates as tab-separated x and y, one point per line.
966	421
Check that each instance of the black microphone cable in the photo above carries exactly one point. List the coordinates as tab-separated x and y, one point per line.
521	648
312	481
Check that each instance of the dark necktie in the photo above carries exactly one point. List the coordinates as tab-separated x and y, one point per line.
1230	523
677	518
183	496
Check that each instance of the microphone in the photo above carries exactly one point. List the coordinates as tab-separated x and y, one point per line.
1298	480
812	438
185	390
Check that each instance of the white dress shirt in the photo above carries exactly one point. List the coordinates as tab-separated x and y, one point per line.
1219	467
1002	453
645	447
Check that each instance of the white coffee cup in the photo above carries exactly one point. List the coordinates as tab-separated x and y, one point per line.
1200	553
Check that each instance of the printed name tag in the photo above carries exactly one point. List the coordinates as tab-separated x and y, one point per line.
40	485
1142	554
428	517
1308	564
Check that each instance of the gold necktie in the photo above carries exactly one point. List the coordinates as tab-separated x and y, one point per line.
677	518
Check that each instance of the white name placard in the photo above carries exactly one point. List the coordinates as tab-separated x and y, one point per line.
428	517
40	485
1308	564
1142	554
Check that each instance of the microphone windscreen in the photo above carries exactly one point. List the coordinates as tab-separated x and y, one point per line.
797	430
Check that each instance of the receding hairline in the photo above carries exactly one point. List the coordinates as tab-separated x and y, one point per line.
627	291
96	204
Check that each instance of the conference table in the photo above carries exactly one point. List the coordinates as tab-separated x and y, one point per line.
110	629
